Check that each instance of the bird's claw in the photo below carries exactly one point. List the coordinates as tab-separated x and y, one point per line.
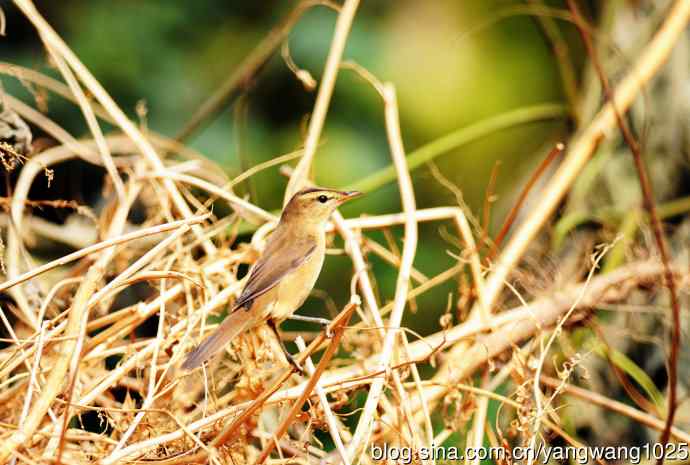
326	326
293	361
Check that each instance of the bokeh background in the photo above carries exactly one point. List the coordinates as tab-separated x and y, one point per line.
454	64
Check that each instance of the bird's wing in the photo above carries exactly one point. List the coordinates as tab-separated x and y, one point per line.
280	258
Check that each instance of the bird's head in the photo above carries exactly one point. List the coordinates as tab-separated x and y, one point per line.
316	205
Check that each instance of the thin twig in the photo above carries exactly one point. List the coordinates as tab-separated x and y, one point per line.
333	345
100	246
510	219
328	413
243	207
323	97
90	118
242	77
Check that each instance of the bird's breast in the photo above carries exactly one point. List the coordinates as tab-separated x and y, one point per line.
294	289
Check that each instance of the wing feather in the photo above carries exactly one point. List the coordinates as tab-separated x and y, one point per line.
280	258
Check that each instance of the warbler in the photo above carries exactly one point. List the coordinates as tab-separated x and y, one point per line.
282	278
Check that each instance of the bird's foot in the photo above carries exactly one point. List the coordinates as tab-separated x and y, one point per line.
295	365
288	356
326	326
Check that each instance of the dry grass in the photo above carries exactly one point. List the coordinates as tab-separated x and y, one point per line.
248	406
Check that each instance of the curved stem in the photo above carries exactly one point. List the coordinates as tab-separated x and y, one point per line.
461	137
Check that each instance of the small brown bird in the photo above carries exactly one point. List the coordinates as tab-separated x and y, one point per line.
282	278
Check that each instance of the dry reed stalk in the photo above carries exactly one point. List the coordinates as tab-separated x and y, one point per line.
577	154
366	420
428	427
52	39
323	97
393	259
90	117
170	416
256	214
511	327
32	382
475	438
86	251
333	426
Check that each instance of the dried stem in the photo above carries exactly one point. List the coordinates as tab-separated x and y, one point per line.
91	121
579	150
338	332
515	209
323	97
53	40
100	246
333	427
650	206
365	424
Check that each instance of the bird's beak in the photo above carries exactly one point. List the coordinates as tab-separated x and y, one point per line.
346	196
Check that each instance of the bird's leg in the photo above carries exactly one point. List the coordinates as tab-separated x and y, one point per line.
323	322
291	360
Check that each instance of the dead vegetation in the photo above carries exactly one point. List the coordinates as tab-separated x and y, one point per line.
68	357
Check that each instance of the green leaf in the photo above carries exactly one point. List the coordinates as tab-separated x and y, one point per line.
634	371
461	137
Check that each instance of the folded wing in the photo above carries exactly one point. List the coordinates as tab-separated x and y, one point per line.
281	257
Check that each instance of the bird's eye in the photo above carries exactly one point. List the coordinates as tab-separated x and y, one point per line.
322	198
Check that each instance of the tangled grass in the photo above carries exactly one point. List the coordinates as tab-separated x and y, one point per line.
70	362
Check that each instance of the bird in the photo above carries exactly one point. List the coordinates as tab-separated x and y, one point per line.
283	276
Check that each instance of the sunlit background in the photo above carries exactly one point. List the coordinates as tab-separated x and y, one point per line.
486	88
454	65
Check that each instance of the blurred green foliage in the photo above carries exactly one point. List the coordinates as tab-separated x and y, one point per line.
448	72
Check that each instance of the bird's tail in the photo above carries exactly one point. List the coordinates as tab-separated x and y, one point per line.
233	324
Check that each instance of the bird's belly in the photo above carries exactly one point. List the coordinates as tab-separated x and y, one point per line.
295	288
